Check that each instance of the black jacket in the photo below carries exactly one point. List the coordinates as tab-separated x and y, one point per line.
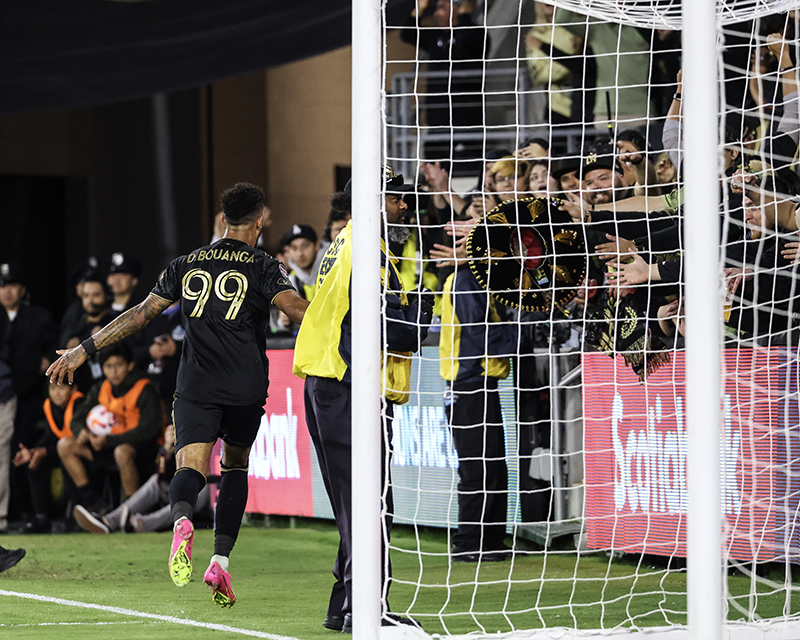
33	336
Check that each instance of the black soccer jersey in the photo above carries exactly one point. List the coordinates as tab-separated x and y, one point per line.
225	291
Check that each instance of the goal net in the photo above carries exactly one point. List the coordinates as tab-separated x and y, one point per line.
545	435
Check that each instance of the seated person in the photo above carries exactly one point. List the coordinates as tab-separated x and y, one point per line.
159	352
42	457
305	253
148	509
75	280
337	220
96	300
118	424
123	276
305	256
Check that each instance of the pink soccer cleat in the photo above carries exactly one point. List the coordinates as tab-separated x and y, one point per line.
180	558
220	582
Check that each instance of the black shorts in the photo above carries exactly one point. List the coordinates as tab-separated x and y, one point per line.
205	422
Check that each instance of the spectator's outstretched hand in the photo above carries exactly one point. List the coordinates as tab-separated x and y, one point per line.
533	150
450	256
734	277
483	204
614	248
668	317
778	48
743	180
629	154
632	272
37	455
436	177
455	254
791	251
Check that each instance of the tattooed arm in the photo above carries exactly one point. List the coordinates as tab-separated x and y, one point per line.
133	320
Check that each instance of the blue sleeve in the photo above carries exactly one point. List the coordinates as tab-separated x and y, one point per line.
472	306
406	325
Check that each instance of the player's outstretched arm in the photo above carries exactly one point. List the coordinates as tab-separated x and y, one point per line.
133	320
292	305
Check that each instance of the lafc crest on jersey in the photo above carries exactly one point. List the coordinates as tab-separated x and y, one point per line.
284	278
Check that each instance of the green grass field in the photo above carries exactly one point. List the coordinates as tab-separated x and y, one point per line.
282	581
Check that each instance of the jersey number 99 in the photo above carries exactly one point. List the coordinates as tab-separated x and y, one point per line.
206	283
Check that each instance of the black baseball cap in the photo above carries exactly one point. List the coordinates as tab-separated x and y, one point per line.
496	154
123	263
564	165
11	273
300	231
79	272
601	155
390	180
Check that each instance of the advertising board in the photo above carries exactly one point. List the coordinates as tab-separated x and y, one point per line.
636	453
284	477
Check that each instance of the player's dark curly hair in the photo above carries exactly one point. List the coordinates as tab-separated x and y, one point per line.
242	203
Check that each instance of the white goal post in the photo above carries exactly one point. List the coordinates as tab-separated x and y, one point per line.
708	600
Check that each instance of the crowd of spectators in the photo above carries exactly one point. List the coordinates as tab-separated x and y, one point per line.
88	445
624	186
109	434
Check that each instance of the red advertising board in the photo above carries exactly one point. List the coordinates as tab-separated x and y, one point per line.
279	477
636	449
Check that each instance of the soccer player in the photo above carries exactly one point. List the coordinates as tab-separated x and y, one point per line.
225	290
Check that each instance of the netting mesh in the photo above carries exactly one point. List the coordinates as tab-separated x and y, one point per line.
668	14
545	432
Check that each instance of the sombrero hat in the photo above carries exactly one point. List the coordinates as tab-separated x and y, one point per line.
528	254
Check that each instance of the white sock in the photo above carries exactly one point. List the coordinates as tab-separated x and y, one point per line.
223	561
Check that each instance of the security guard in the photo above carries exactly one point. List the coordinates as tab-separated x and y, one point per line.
323	355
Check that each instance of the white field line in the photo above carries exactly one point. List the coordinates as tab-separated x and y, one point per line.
151	616
77	624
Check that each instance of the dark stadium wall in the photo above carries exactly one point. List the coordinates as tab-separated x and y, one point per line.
110	151
286	129
308	123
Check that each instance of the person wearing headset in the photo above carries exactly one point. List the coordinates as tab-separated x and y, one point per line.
96	300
